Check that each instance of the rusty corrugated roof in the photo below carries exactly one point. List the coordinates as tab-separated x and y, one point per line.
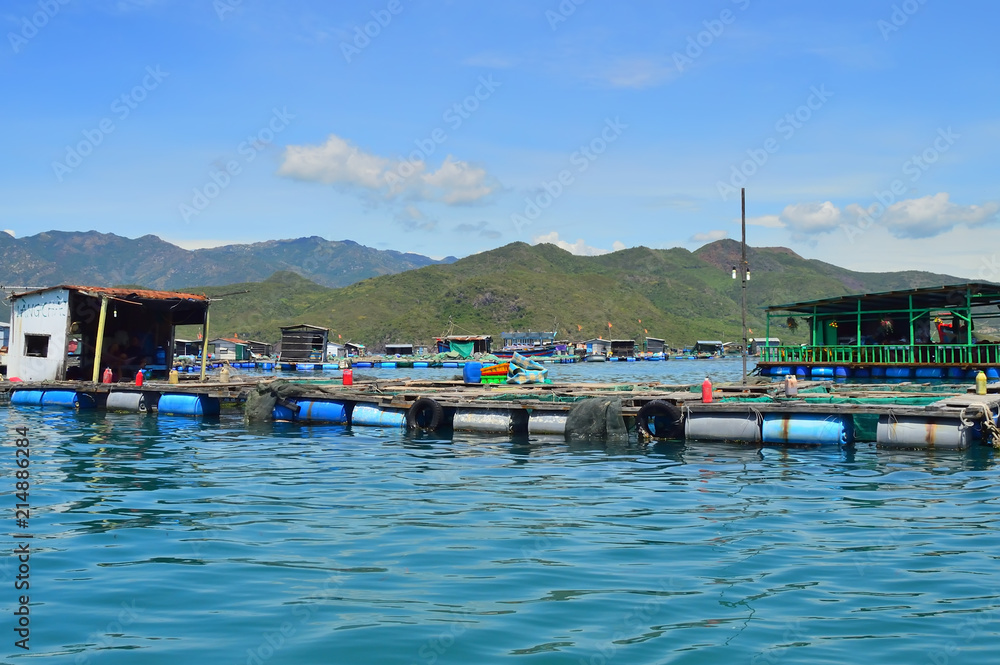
140	294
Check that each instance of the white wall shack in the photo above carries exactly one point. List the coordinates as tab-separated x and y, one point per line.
38	329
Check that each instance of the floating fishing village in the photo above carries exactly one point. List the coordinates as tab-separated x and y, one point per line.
554	332
900	369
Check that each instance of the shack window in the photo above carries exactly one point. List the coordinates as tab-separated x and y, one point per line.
36	345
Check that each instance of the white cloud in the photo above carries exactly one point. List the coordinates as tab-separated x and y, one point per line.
339	162
924	217
580	248
336	161
930	216
804	219
710	236
457	182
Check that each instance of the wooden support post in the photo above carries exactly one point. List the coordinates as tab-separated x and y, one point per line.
100	339
204	345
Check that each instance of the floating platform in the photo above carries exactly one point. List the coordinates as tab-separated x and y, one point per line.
895	416
878	373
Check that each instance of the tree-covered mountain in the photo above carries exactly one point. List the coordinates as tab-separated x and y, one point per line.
92	258
673	294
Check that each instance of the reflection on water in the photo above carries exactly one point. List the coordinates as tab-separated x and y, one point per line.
164	540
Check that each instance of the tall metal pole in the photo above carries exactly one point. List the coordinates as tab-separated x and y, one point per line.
743	275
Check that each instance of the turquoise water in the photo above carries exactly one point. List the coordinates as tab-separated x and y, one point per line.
719	370
172	540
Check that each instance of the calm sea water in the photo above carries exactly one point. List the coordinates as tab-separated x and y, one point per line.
176	540
671	371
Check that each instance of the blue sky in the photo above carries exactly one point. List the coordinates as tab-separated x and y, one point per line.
866	133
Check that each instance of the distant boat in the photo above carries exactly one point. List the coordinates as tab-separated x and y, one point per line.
595	358
537	351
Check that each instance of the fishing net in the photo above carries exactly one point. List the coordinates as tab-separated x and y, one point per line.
596	419
263	398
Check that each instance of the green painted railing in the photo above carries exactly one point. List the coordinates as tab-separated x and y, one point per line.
921	354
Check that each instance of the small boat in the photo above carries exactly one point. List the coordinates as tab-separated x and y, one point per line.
595	358
538	351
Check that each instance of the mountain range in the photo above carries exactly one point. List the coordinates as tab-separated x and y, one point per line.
92	258
673	294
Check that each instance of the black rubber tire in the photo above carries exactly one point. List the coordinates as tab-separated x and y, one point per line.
426	410
662	410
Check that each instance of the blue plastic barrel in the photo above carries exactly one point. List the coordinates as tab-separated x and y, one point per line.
322	411
64	398
330	366
420	363
930	372
282	413
473	372
363	364
613	359
878	371
374	416
862	373
630	359
26	398
841	372
898	372
267	366
992	374
390	364
780	371
801	371
449	364
822	371
188	405
956	373
806	428
305	367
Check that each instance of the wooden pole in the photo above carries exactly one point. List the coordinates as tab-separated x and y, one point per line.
204	345
100	339
743	273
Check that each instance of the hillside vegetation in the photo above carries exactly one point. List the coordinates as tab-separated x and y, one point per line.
674	294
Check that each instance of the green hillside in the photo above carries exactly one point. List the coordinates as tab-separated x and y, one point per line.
675	294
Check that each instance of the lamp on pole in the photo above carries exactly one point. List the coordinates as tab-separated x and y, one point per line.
744	273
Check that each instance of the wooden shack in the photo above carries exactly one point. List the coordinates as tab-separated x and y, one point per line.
623	348
75	332
258	348
187	347
229	348
655	345
304	343
465	345
399	349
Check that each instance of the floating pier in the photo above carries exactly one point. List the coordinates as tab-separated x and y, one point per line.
898	416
